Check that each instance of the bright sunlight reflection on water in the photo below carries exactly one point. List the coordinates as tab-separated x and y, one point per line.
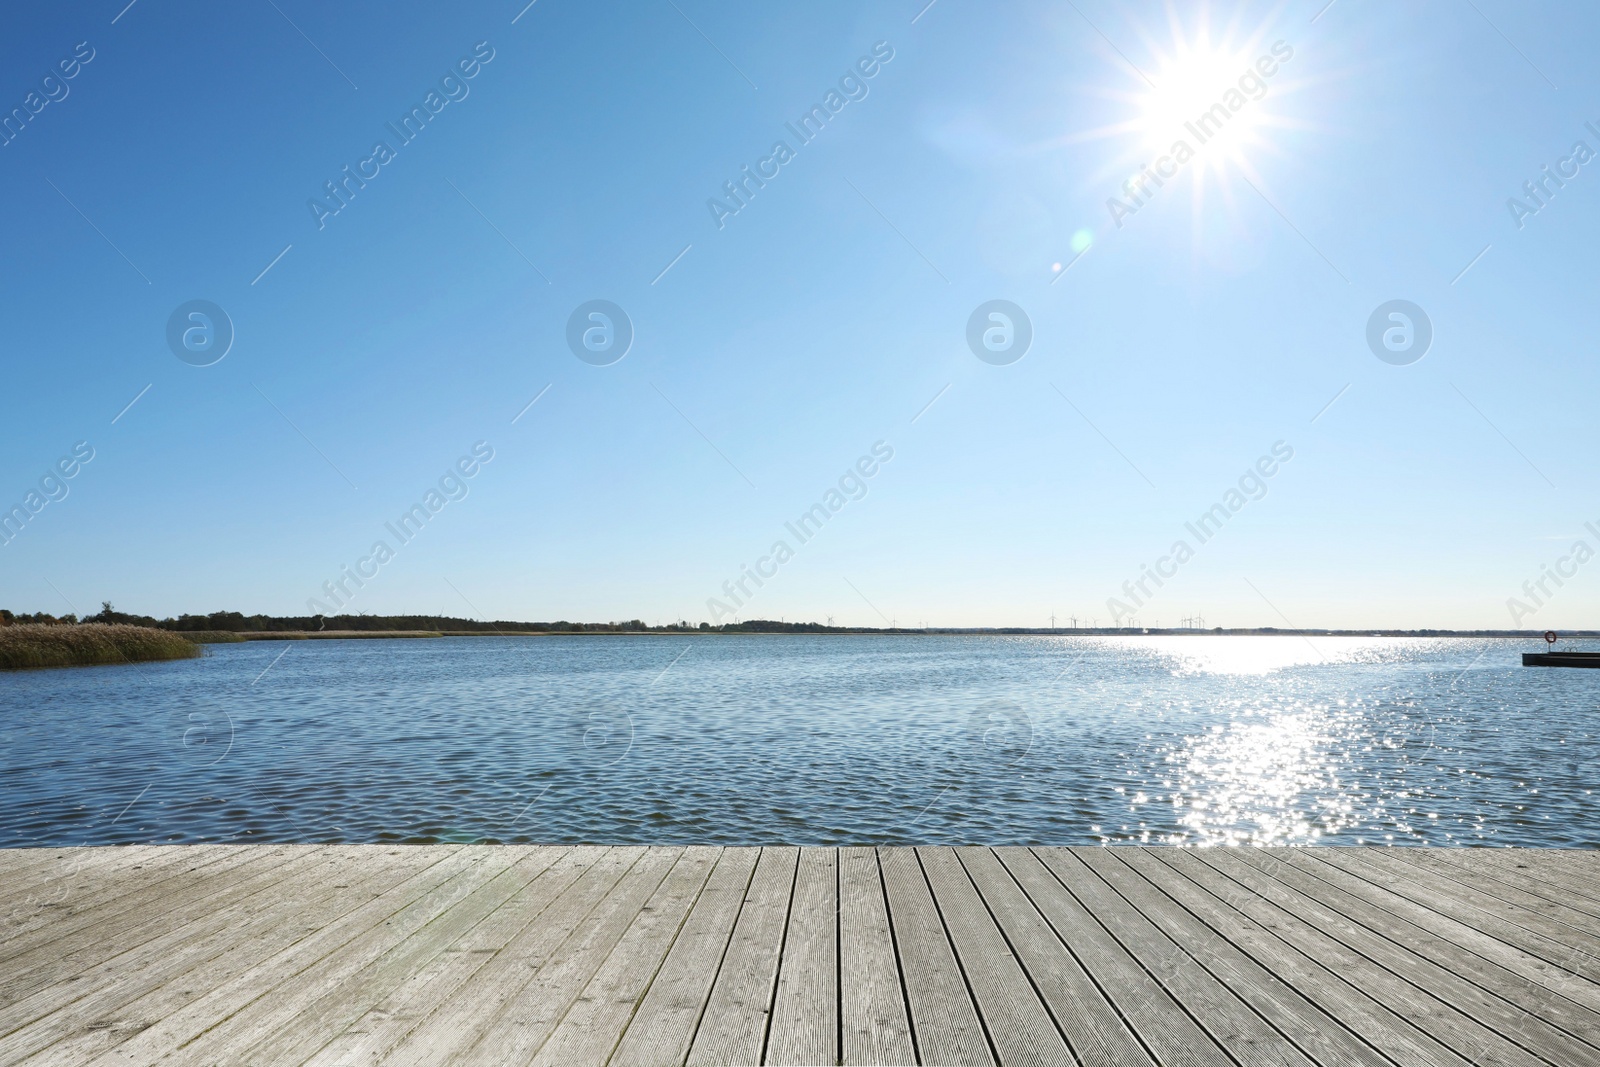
1256	655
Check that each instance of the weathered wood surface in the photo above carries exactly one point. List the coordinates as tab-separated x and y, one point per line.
343	955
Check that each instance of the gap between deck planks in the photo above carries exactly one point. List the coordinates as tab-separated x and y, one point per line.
633	955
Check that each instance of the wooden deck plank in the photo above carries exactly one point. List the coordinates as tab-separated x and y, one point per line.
1163	1027
1572	968
300	1034
1539	976
86	960
94	927
1532	868
354	956
458	1023
1580	862
1483	973
594	1024
1278	910
1554	941
88	868
368	1040
1318	1034
805	1009
296	978
944	1020
106	914
1571	910
1094	1031
122	881
214	1012
1302	898
538	1007
873	1021
19	864
1536	871
1232	914
1019	1025
664	1024
121	997
1227	1021
85	915
28	867
1476	882
733	1029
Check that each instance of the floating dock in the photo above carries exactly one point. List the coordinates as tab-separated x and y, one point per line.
499	954
1561	659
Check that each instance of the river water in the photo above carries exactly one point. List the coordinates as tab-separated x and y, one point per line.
812	740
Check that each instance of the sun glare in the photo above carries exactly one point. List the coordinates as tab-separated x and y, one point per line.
1198	114
1204	98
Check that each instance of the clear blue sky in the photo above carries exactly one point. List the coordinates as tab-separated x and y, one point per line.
1216	320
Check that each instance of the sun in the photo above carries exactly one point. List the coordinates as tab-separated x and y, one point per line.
1206	97
1190	112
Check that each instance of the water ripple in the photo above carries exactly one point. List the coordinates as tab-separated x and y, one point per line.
837	740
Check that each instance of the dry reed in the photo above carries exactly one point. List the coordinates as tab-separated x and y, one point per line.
85	644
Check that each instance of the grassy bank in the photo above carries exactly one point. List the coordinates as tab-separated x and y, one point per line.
330	635
87	644
210	637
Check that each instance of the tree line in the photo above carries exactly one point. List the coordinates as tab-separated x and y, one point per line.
238	622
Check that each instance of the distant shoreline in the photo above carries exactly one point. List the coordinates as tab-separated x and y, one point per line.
84	644
228	626
1082	631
